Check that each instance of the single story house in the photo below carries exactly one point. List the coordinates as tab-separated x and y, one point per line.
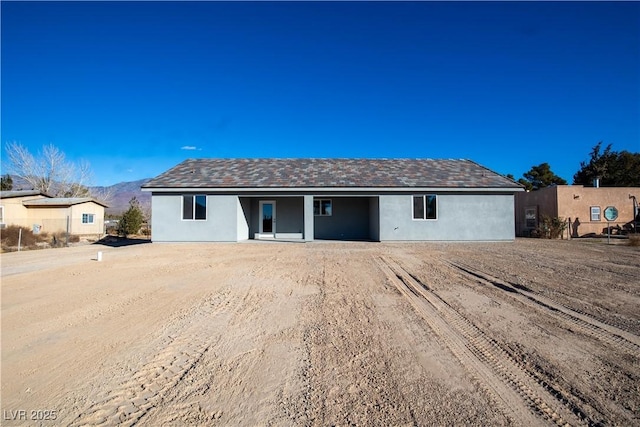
583	207
343	199
43	213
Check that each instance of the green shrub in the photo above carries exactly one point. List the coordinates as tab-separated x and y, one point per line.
131	220
551	228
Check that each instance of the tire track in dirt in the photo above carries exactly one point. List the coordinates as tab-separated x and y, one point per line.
347	373
617	338
507	382
587	286
582	284
237	379
214	374
305	407
188	339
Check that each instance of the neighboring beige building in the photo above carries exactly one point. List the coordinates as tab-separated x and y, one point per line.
42	213
583	206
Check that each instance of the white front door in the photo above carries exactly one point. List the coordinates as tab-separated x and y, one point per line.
268	218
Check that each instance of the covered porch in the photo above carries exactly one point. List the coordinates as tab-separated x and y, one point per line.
309	217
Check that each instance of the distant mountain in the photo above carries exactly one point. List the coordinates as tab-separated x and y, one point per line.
123	192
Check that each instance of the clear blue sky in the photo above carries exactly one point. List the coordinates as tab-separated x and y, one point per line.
135	88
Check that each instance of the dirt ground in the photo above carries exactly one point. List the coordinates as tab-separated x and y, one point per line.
531	332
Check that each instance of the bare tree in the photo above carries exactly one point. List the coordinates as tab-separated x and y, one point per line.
51	173
146	210
103	194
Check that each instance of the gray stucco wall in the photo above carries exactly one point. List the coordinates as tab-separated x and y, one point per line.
374	218
289	214
244	218
221	224
308	218
349	220
460	217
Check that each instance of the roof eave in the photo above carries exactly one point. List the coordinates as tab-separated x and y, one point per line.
30	203
329	189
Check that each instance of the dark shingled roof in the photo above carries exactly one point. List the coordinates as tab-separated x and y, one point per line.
329	173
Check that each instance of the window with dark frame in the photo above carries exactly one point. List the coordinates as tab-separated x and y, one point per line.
322	207
530	218
425	206
194	207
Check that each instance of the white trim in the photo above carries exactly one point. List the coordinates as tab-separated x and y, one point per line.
206	207
289	235
261	204
324	191
89	216
259	236
320	200
425	207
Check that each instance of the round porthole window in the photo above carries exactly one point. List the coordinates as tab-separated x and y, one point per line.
610	213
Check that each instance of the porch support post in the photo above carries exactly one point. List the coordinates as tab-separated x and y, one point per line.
308	218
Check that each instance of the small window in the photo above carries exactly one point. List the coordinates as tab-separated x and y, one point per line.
194	207
424	206
595	213
322	207
87	218
1	214
530	218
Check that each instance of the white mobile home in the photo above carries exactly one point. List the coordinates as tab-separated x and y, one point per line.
43	213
